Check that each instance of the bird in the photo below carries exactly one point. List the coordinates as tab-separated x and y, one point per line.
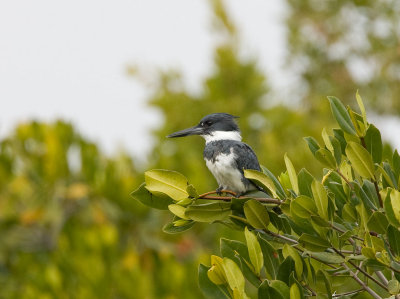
225	154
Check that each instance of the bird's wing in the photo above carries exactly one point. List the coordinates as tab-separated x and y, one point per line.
245	157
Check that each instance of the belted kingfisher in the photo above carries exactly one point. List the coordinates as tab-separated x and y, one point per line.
225	155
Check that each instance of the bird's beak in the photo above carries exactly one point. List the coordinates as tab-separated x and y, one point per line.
196	130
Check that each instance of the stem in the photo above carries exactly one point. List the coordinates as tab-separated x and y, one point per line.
345	179
347	293
382	277
377	192
310	289
361	270
281	237
215	192
361	283
229	198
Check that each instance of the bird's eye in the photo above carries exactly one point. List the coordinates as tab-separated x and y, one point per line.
202	124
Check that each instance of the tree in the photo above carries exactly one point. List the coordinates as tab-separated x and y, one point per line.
69	228
339	46
343	227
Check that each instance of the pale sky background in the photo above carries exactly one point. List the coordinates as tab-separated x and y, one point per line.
68	59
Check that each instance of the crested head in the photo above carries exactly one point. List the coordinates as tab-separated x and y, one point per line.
219	122
215	126
220	126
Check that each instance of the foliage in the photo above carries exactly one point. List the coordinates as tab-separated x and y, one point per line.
69	229
336	236
338	46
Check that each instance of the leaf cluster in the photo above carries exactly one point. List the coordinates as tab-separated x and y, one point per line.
333	237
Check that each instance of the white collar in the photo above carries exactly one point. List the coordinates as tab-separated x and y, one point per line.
222	135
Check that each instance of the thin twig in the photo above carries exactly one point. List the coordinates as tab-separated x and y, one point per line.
215	192
280	237
362	271
360	282
310	289
382	277
345	179
295	247
347	293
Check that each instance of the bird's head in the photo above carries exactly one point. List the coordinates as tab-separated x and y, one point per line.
212	127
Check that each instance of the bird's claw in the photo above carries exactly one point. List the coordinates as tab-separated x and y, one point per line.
219	190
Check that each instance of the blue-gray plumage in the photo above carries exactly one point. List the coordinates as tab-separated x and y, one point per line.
225	155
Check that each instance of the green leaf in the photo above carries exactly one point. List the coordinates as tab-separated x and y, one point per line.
171	228
327	140
337	150
373	142
349	213
281	287
279	189
394	287
237	251
209	289
391	205
178	211
378	223
326	257
303	207
357	122
209	212
325	278
360	159
326	158
298	262
216	273
145	197
287	267
321	199
339	135
234	275
305	180
341	115
295	292
171	183
374	265
255	253
271	257
256	214
230	247
313	243
261	179
265	291
312	144
393	235
191	190
292	174
362	108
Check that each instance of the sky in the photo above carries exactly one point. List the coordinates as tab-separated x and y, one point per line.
69	59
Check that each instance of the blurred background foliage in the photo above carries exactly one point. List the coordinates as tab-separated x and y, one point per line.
68	226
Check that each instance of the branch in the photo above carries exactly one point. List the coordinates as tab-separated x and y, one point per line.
229	198
361	270
345	179
361	283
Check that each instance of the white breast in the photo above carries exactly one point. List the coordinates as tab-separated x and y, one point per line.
227	176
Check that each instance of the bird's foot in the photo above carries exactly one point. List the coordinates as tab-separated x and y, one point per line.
219	190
